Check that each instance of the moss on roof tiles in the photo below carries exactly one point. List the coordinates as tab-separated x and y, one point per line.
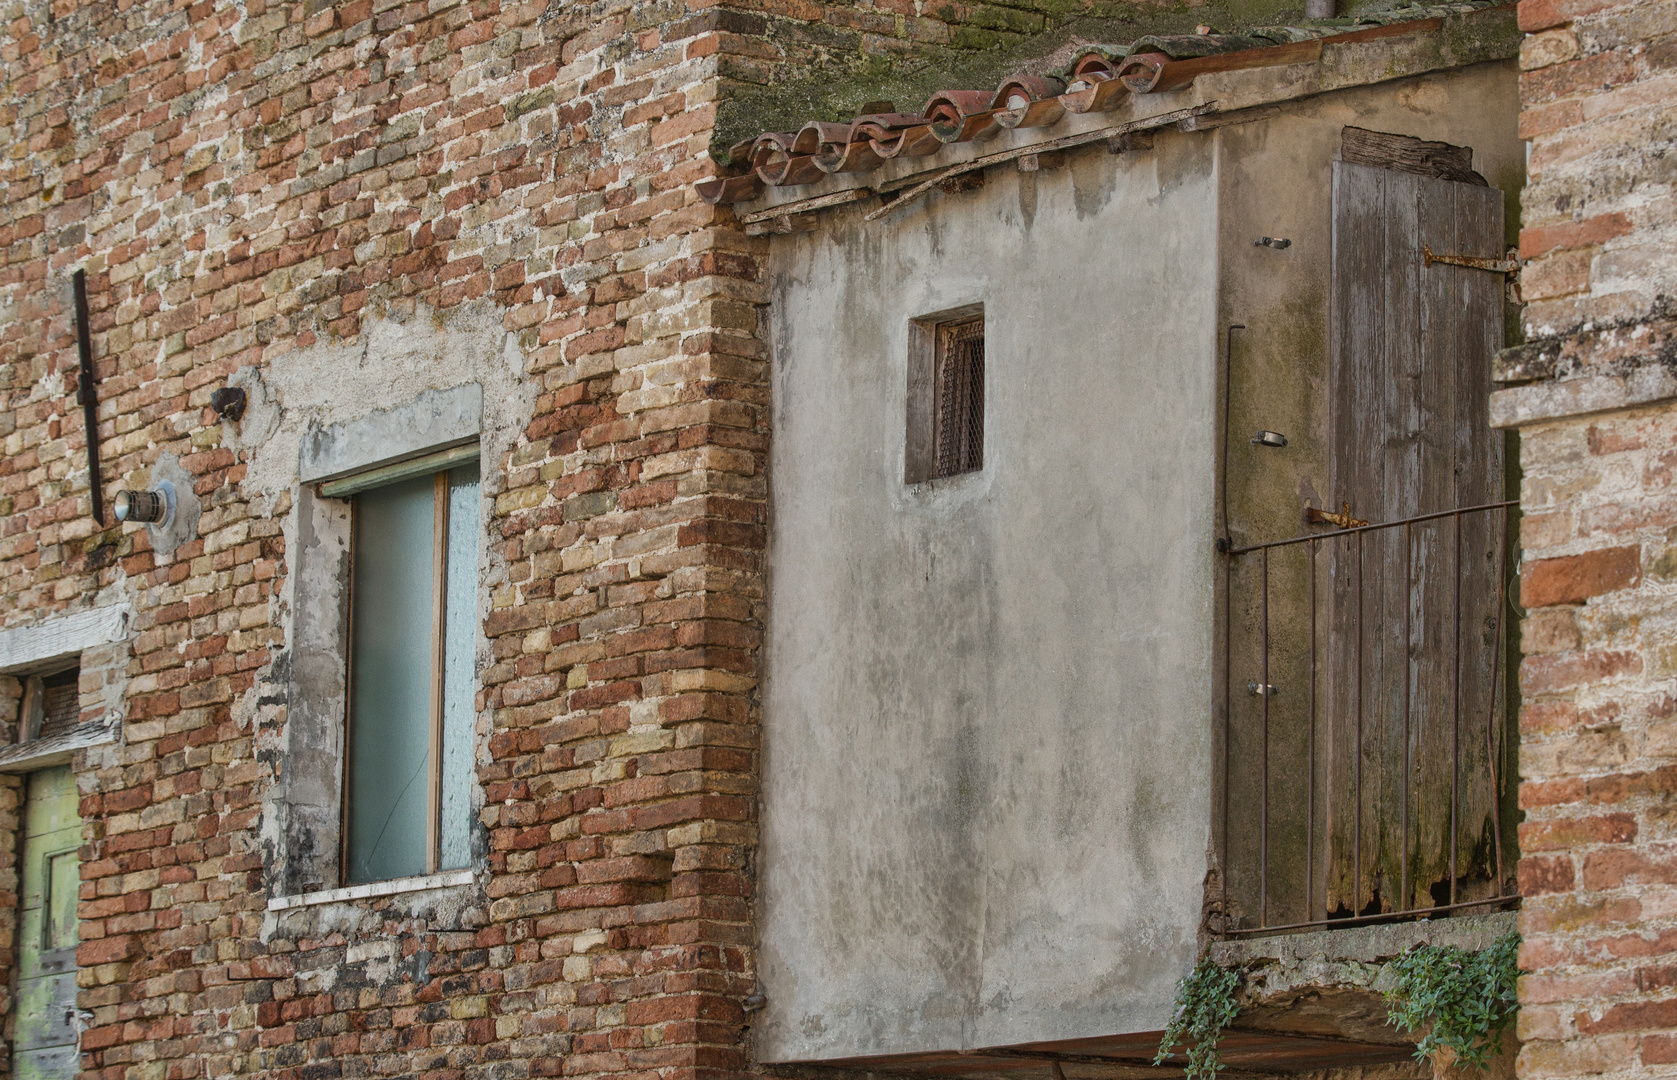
980	57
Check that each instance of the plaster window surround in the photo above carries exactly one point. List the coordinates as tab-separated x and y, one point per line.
381	770
325	427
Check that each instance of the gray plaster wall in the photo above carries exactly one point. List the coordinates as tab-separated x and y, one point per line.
986	796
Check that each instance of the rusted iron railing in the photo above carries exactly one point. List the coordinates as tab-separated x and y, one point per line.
1364	749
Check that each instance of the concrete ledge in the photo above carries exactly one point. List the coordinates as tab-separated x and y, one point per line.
1601	369
448	879
1521	405
1367	944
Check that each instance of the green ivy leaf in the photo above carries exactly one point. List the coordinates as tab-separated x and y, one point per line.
1463	1000
1205	1005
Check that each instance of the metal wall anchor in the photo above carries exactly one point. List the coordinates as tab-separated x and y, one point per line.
1258	689
1276	242
1342	520
1498	266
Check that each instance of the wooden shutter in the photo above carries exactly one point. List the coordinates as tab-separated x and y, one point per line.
1409	383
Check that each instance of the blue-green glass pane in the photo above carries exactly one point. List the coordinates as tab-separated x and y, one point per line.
390	693
459	684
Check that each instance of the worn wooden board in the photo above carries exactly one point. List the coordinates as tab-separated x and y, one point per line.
1409	683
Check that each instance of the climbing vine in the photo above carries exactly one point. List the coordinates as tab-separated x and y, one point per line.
1459	999
1205	1005
1463	1000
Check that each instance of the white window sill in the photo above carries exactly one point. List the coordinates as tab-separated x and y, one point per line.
420	883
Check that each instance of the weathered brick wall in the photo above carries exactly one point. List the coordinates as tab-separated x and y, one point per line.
1599	754
1591	395
243	180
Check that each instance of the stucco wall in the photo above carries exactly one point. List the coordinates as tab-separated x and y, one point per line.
986	795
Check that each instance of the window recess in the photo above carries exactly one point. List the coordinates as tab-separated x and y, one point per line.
946	395
413	633
51	705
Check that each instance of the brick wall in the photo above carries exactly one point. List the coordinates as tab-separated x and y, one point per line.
244	180
1591	398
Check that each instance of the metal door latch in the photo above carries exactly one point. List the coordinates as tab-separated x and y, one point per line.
1509	265
1342	520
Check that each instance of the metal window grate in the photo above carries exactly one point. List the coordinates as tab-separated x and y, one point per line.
960	398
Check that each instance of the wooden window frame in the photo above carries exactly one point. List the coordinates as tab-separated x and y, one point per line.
928	356
438	464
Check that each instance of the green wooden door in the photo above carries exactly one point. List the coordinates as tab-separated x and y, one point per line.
45	1044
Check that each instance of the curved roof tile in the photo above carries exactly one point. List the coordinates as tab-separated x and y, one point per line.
1097	80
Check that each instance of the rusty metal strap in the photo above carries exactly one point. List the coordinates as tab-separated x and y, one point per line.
1472	262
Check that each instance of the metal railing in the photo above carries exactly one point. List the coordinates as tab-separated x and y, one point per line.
1396	714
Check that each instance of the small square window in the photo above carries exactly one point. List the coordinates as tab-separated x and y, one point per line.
946	395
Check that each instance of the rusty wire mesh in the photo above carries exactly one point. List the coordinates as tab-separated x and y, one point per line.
960	405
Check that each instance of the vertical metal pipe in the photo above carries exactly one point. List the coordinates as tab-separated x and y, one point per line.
1310	782
87	393
1224	543
1228	712
1263	694
1228	390
1357	785
1490	720
1456	715
1228	602
1408	673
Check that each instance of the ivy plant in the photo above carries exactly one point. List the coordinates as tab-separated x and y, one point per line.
1462	1000
1205	1005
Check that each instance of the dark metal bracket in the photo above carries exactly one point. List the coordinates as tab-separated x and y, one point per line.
87	394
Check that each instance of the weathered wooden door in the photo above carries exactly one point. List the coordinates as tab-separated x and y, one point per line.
1409	673
45	1043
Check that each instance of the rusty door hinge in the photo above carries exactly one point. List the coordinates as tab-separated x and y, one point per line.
1342	520
1510	265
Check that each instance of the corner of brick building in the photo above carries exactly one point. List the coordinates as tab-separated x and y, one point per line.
243	182
1592	398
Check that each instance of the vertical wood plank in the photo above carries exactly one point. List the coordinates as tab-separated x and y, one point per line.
1358	330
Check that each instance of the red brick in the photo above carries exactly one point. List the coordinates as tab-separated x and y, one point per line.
1574	833
1573	579
1547	875
1659	1050
1542	239
1633	1016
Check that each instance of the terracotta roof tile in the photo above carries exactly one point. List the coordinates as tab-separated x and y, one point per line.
1096	81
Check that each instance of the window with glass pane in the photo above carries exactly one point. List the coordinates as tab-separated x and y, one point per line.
413	626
